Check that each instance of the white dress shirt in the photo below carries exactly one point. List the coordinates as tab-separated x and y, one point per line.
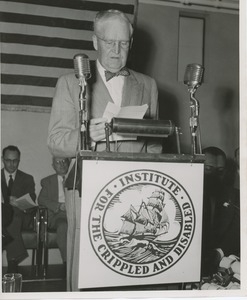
7	176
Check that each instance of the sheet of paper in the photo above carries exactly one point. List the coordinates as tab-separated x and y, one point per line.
129	112
133	112
25	202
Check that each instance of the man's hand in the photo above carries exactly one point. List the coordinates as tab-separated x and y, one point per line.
12	201
62	207
97	129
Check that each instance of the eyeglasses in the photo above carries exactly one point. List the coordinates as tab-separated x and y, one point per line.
111	43
219	170
61	161
14	161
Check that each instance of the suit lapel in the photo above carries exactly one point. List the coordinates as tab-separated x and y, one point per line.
3	179
17	186
54	187
100	96
132	91
4	186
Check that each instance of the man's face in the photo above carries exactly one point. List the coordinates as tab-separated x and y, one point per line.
11	160
111	53
215	165
61	165
214	172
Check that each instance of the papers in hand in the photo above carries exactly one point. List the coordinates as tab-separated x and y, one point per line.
25	202
130	112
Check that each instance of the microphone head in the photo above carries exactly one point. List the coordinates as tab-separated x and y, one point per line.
82	66
193	75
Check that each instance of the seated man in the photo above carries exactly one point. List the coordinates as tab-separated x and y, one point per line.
228	234
14	184
221	222
7	216
213	194
52	196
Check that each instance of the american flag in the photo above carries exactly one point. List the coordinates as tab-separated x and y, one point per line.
39	39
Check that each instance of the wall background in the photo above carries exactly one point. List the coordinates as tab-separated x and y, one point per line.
156	54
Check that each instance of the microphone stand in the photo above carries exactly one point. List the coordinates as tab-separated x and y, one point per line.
196	147
83	115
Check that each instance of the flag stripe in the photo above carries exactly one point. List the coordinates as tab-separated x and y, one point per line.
46	41
28	80
48	21
26	100
83	5
36	60
29	90
37	70
39	10
51	32
39	39
32	50
53	12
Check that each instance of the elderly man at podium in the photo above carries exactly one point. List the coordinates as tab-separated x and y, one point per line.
110	82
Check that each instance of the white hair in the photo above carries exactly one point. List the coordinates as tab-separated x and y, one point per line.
106	15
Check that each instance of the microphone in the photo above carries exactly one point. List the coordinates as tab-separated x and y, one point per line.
193	79
193	76
82	72
82	66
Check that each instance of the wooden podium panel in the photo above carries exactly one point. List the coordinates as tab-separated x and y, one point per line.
141	220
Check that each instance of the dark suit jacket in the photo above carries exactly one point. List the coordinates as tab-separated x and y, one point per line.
23	184
63	130
48	197
228	233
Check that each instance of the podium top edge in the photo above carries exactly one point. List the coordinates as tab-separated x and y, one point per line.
155	157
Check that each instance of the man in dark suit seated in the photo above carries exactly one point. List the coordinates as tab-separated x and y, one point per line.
14	184
221	220
228	233
213	195
7	215
52	196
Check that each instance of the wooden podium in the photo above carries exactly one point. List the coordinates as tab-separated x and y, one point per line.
141	219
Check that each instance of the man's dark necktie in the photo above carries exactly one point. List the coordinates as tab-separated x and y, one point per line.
10	184
123	72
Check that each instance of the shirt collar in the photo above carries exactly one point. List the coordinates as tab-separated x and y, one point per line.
6	173
61	177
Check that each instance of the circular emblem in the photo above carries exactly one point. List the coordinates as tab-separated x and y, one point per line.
141	223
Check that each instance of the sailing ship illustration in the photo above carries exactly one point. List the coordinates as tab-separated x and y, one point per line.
151	219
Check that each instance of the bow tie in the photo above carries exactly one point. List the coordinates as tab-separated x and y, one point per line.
124	72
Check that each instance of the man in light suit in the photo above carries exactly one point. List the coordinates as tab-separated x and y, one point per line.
14	184
112	39
112	42
52	196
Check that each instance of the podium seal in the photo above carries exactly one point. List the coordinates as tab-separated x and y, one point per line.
141	223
